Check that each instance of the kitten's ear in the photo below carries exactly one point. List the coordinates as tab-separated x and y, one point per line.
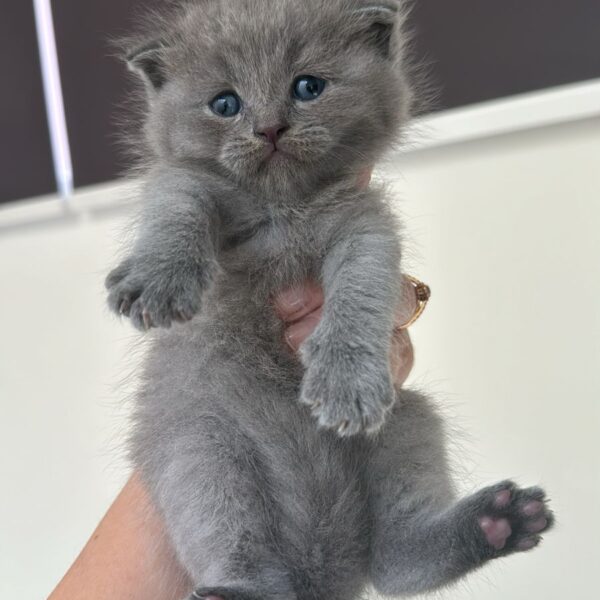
378	23
148	62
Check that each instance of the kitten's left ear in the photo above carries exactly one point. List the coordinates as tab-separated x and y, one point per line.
378	23
148	61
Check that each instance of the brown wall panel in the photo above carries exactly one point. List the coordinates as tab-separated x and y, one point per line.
25	159
477	50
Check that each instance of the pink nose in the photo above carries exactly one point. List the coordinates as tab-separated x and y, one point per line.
271	134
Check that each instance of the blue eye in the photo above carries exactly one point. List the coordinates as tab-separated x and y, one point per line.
226	105
308	88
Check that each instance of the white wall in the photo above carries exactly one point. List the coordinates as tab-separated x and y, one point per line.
506	232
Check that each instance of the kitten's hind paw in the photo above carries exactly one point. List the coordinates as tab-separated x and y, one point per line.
509	519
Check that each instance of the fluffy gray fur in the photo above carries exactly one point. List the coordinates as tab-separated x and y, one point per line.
281	479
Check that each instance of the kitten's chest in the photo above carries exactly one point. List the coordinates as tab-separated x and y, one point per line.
283	245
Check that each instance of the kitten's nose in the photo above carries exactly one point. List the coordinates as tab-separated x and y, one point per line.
271	134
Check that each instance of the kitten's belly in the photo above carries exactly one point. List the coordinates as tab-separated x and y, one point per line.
205	421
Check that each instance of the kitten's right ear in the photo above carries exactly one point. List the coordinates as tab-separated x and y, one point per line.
148	62
380	22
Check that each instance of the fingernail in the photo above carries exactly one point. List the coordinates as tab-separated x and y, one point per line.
298	332
295	335
290	340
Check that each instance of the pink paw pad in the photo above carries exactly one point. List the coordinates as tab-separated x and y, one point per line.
537	525
502	499
497	531
533	508
527	544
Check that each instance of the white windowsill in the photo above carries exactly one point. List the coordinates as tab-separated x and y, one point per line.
508	115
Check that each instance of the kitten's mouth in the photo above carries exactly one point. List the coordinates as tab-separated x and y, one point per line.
274	153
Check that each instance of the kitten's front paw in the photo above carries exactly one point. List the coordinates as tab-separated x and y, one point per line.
509	519
349	390
155	297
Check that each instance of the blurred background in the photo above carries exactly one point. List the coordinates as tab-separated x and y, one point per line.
499	187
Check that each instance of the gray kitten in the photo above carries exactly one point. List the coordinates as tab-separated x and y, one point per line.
281	479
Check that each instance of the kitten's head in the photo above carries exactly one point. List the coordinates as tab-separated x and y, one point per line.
277	93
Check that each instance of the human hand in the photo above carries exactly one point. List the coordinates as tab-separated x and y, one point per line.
301	308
